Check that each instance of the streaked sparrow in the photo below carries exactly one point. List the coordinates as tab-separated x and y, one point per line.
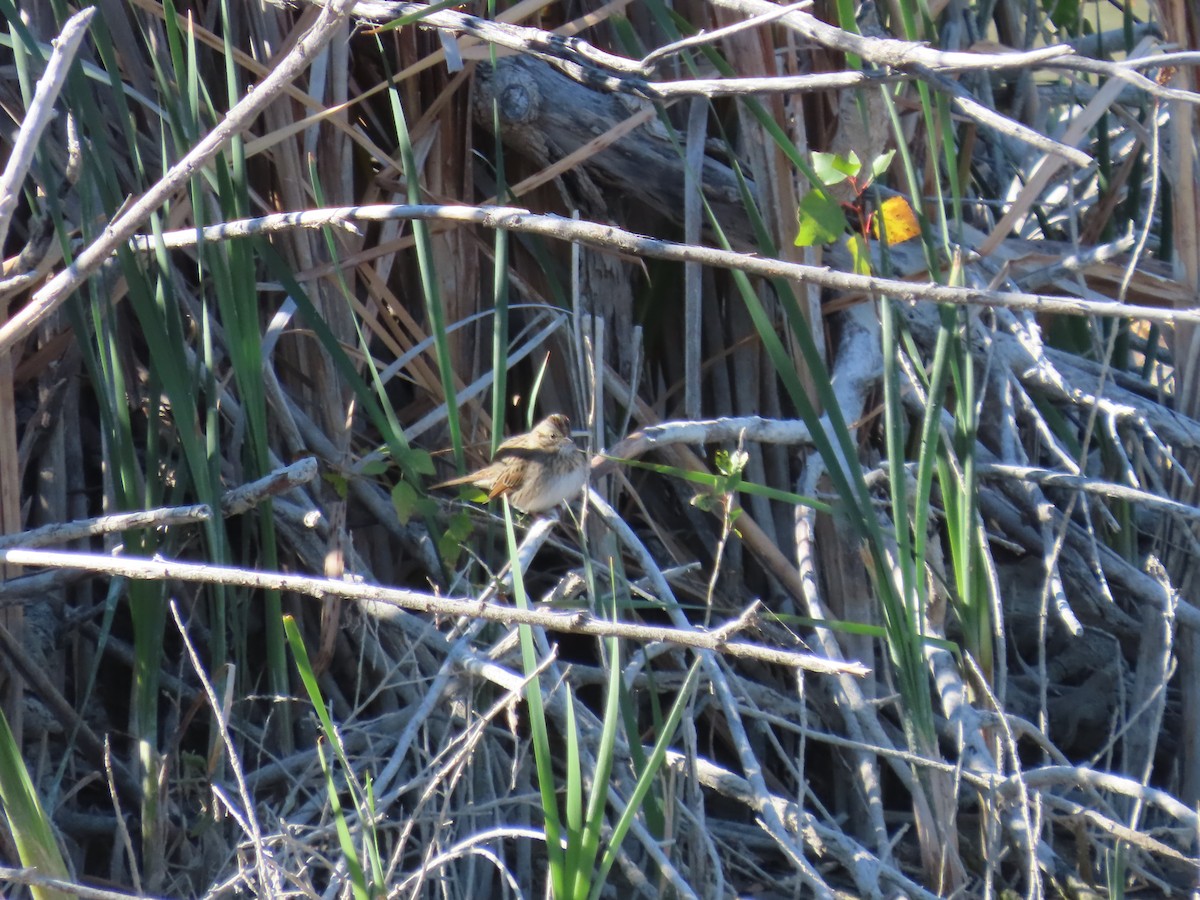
536	471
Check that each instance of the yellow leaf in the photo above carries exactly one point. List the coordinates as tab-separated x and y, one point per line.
898	219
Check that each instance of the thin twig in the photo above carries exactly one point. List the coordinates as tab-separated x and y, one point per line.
711	37
262	858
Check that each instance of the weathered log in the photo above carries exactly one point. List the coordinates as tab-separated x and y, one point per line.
546	116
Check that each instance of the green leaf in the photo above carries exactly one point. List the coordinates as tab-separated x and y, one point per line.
1063	13
452	541
589	844
573	778
460	526
834	169
449	549
543	756
358	878
338	482
821	219
415	462
374	467
731	462
881	163
406	501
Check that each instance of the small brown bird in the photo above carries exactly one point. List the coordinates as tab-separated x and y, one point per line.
537	471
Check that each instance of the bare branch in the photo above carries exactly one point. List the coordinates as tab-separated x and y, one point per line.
414	601
609	237
39	114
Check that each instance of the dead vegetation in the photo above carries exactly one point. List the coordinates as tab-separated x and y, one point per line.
891	548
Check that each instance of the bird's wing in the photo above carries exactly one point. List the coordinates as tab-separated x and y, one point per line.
506	482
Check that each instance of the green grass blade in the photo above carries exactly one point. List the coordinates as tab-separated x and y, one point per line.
589	846
308	677
646	779
27	820
573	811
540	735
429	278
358	879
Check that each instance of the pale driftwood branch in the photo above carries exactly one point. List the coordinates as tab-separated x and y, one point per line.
1073	777
773	84
590	65
61	533
247	496
39	114
898	54
892	52
966	104
33	878
569	622
1095	486
1144	842
234	503
576	57
611	238
46	300
711	431
990	118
